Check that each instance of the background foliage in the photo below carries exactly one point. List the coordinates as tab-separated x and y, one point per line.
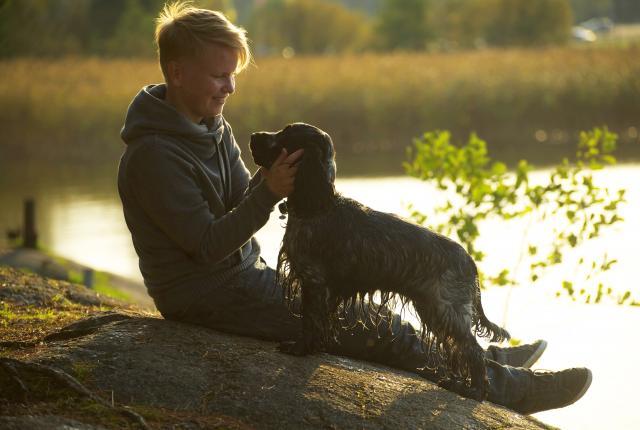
527	103
307	26
124	28
480	188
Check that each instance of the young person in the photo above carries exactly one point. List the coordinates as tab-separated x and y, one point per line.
192	210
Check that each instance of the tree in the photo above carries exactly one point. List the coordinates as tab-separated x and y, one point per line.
528	23
308	27
626	10
415	24
41	28
64	27
403	24
585	9
459	22
133	34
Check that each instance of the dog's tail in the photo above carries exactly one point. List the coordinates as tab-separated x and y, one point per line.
484	327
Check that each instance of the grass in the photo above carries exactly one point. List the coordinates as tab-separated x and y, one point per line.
369	103
82	371
101	284
10	313
621	35
30	323
101	280
25	323
64	403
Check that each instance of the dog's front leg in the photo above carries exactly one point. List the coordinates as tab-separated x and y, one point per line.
315	319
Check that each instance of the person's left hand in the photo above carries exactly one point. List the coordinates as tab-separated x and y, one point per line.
280	177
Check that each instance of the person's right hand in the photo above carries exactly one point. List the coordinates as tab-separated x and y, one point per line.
280	177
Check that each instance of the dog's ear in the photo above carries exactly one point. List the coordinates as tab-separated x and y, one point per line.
312	189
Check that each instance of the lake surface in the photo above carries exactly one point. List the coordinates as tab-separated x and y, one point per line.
79	216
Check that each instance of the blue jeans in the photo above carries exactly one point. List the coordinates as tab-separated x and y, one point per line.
251	304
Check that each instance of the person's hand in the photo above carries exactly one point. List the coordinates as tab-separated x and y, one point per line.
281	175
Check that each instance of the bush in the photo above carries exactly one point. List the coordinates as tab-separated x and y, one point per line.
402	24
118	28
481	188
307	27
528	23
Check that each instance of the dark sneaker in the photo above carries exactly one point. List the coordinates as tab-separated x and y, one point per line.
551	390
517	356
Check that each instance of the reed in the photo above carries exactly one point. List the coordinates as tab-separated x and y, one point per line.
515	99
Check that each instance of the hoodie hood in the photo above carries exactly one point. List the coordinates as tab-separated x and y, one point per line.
149	114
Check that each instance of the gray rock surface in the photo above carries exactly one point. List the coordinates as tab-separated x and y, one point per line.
159	363
58	268
123	362
44	422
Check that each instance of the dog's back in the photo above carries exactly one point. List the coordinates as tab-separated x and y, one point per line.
371	250
362	251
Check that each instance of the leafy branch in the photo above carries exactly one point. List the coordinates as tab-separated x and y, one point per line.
569	200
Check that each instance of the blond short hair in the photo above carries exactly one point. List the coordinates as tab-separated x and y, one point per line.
183	30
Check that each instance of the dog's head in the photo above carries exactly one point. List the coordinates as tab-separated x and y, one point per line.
317	145
316	170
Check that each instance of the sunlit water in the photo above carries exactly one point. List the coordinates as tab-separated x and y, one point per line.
85	223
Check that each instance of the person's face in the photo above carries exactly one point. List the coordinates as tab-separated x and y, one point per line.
205	82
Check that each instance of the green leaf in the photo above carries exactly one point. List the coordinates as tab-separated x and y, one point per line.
483	189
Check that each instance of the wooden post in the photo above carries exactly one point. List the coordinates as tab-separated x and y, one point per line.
87	278
30	235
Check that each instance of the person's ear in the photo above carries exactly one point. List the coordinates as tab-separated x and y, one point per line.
175	73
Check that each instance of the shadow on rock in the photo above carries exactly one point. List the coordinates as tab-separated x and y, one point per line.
151	364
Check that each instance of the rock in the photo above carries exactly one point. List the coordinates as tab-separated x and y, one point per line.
31	290
59	268
34	260
175	374
44	422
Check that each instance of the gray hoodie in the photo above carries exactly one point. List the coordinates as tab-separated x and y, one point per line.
188	200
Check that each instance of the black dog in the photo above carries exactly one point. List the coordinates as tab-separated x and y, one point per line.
337	251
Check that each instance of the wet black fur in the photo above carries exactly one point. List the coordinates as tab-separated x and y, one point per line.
337	252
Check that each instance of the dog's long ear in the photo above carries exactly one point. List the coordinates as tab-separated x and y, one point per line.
313	189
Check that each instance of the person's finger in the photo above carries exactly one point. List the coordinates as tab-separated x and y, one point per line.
294	156
291	173
280	160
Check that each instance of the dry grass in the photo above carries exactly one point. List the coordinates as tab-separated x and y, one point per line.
369	103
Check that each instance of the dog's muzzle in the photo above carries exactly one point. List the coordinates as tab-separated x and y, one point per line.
264	148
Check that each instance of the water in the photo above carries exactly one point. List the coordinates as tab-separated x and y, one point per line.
80	217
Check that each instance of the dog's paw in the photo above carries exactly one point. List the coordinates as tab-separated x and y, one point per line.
293	347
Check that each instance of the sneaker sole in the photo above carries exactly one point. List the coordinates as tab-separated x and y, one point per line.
536	355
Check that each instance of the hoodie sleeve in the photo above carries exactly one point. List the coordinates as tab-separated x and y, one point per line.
166	187
240	182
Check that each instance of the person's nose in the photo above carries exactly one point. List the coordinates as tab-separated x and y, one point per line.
230	85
